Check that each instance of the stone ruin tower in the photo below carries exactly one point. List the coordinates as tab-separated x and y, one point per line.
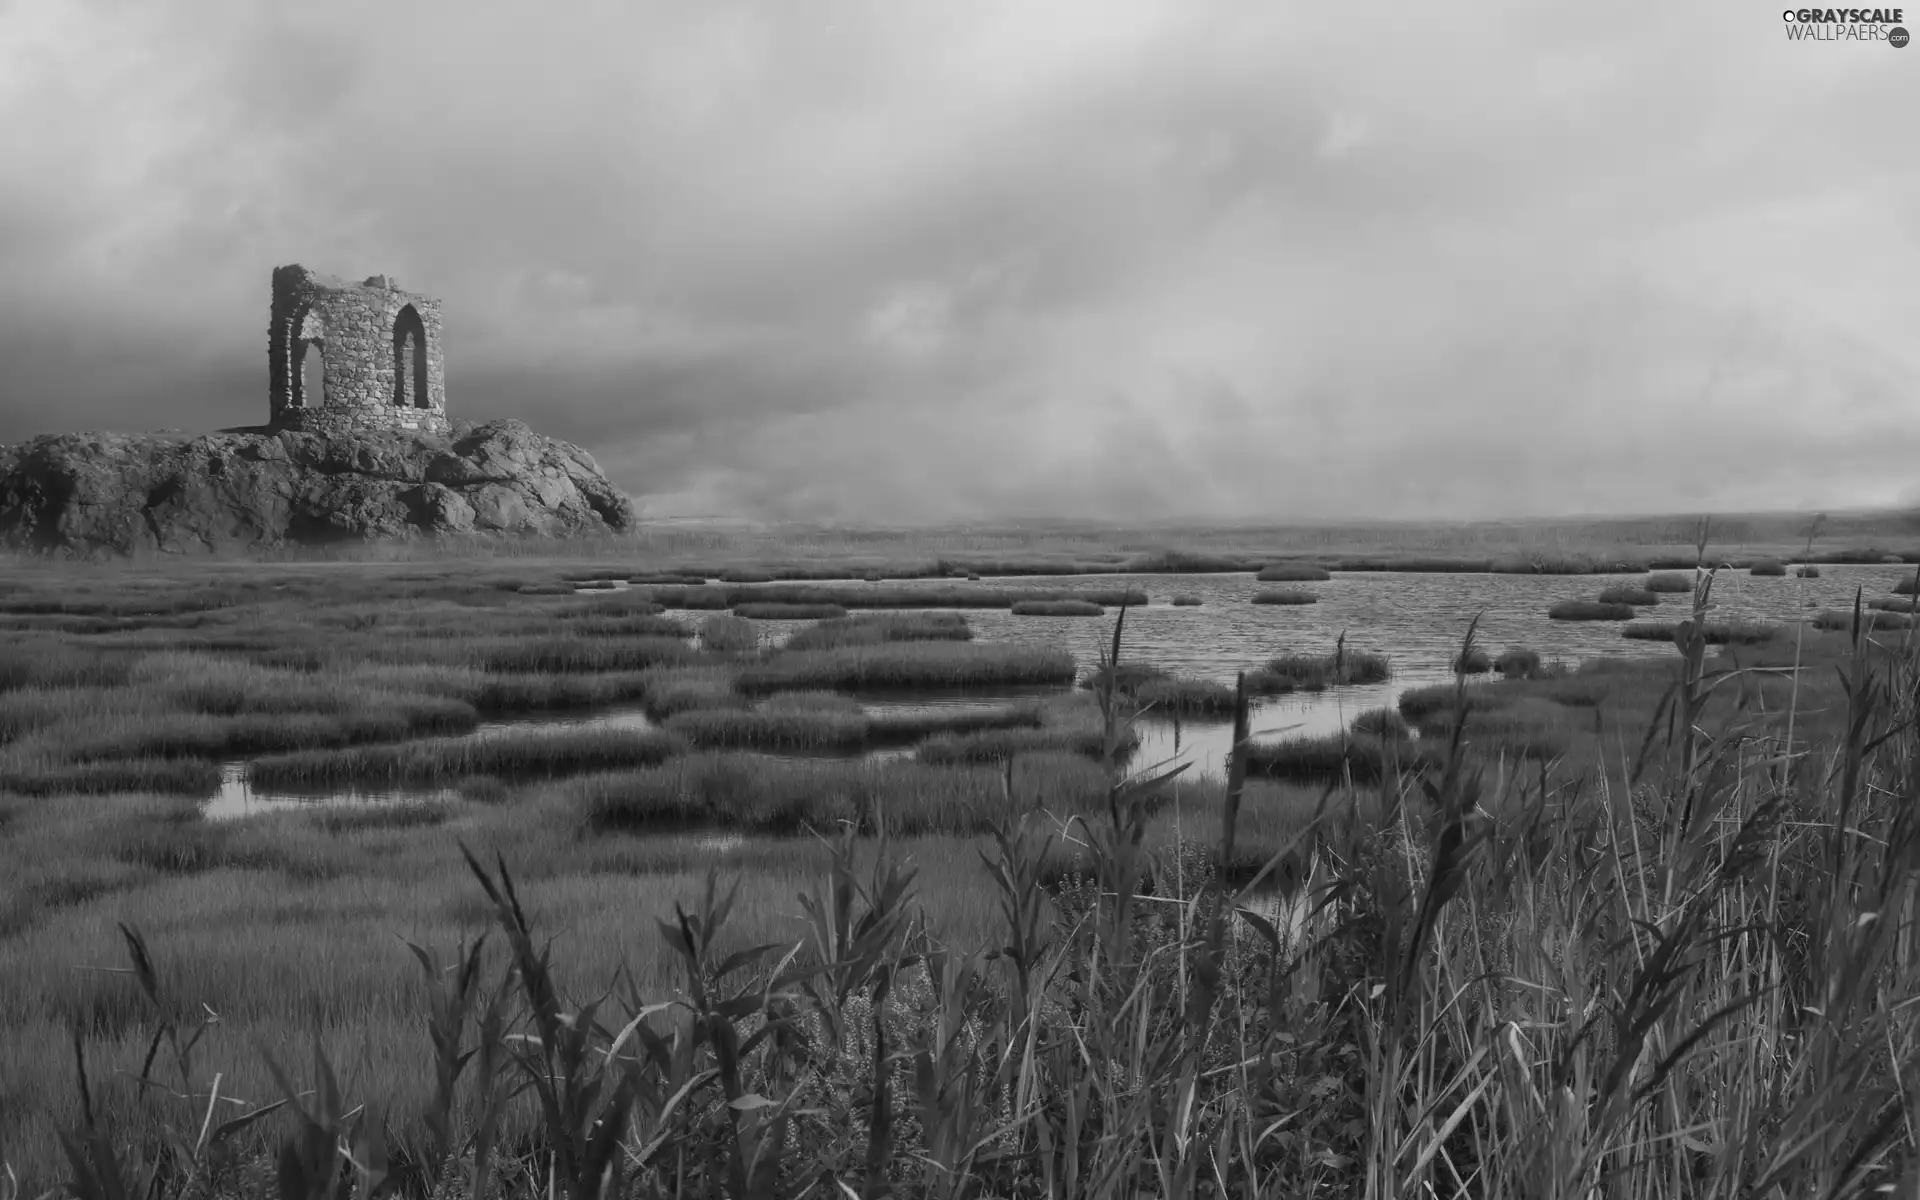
354	357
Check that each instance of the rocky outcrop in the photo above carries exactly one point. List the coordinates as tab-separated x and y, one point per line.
111	493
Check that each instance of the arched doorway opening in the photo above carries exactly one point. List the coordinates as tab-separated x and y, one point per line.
309	373
409	359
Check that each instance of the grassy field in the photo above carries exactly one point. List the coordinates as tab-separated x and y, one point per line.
1643	928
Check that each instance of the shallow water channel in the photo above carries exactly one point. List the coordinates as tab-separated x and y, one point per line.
1415	619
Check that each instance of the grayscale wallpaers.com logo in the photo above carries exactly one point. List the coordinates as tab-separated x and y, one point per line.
1846	25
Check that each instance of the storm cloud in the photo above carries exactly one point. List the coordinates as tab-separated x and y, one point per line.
862	259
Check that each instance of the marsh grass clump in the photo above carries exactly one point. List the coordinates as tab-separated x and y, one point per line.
1676	582
1716	633
1383	723
1473	661
596	625
1871	619
1333	758
833	722
725	790
628	603
1573	690
1125	678
908	665
667	579
1767	566
1000	745
597	575
1317	672
356	818
513	756
701	597
1293	573
1285	596
810	702
1651	631
1639	597
729	634
45	664
1187	562
906	728
1426	564
1108	597
1418	704
900	798
1186	601
871	630
670	690
1904	587
211	737
1057	608
770	729
883	595
1518	662
774	611
521	693
578	653
1152	690
1174	696
1806	571
177	776
1590	610
1512	733
1899	604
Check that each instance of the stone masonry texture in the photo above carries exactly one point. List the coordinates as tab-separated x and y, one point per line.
348	358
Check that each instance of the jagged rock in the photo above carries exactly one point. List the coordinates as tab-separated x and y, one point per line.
114	493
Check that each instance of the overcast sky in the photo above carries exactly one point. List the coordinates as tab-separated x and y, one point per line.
907	260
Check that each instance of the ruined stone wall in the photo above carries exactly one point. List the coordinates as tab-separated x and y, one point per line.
383	369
